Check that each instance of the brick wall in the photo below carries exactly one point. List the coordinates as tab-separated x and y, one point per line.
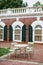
26	21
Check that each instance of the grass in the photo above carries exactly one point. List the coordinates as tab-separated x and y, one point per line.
4	51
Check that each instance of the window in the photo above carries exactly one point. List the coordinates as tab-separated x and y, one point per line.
38	33
17	32
1	32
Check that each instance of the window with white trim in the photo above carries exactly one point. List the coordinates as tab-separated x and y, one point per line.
1	33
38	33
17	33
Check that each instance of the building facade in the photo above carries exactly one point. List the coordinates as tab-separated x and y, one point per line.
21	25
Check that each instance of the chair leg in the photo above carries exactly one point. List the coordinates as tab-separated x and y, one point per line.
31	54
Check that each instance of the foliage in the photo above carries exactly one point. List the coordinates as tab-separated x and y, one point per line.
4	51
42	6
37	4
12	4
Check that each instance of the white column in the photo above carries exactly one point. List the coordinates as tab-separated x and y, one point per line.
38	18
13	34
33	36
17	19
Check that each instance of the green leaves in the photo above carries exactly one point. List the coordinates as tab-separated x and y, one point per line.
37	3
4	51
12	4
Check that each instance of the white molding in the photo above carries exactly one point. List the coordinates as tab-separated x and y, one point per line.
19	16
2	35
17	23
37	22
38	18
2	23
1	40
38	42
17	19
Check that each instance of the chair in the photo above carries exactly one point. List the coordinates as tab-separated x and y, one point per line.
30	48
31	44
14	49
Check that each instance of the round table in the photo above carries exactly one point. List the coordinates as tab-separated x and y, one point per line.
22	48
21	45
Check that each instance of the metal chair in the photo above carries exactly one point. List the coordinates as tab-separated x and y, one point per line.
30	48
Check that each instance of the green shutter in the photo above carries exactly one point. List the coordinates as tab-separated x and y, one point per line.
24	33
30	33
5	32
10	33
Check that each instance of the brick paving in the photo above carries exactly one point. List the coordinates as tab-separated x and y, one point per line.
37	57
6	62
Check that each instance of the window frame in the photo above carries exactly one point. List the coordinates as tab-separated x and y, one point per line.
38	28
2	34
20	34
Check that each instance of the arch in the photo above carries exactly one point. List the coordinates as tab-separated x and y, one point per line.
2	24
38	26
38	22
19	23
17	26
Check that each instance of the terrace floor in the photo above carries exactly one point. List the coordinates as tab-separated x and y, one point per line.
36	59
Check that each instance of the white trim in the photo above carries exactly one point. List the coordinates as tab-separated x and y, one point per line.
2	34
2	24
38	41
17	19
17	23
38	18
35	23
21	25
20	16
20	36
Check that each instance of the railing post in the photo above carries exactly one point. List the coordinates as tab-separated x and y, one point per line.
27	10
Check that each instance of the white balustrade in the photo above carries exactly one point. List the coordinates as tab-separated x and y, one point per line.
21	10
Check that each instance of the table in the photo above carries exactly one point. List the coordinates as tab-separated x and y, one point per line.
21	45
22	48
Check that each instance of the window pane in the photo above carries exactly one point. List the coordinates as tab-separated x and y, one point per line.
38	38
17	37
38	26
0	36
38	31
1	30
17	32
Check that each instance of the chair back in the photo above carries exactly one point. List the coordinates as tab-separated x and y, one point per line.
30	44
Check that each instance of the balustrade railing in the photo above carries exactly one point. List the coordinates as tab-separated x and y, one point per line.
22	10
